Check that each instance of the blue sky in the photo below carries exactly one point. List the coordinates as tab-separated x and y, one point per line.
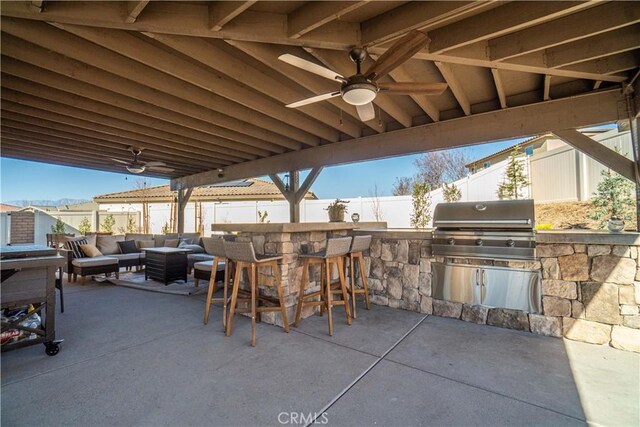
22	180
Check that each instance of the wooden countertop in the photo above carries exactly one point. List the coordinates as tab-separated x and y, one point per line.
302	227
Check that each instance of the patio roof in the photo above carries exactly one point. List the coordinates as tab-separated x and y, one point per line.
199	85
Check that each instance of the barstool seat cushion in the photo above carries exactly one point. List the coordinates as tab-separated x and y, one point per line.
207	266
321	254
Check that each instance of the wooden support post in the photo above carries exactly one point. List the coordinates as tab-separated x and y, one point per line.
183	199
295	192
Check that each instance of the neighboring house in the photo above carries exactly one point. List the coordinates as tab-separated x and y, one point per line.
532	146
211	203
8	208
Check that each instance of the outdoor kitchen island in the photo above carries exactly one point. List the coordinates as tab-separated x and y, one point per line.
290	240
589	286
589	290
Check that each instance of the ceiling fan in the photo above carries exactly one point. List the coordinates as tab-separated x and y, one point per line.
136	166
362	88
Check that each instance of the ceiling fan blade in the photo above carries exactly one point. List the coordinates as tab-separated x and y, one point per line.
313	99
412	88
366	112
119	161
310	67
154	164
401	51
159	169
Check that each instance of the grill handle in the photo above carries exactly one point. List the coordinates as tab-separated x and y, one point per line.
484	221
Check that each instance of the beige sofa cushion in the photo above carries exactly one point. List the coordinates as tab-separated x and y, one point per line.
138	236
94	262
171	243
145	244
160	238
90	250
107	244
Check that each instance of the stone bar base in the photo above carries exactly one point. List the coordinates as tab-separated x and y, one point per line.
590	292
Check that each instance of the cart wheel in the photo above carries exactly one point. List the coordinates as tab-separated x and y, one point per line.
52	349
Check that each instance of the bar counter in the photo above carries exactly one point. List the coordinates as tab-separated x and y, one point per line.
290	240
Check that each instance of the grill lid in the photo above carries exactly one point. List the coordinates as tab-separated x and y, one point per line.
497	214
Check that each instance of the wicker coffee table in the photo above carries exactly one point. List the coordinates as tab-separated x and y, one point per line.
166	264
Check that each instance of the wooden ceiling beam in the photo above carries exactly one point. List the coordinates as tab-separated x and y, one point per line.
340	63
573	112
91	116
37	75
547	88
497	80
454	86
87	151
315	14
17	150
587	23
83	53
28	114
69	103
212	55
50	129
502	20
190	19
268	54
413	16
151	64
476	56
222	12
50	67
609	65
134	9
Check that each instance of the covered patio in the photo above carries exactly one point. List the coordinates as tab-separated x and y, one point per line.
140	358
199	87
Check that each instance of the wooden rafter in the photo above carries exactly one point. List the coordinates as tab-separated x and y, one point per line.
455	86
316	14
547	88
222	12
497	80
134	9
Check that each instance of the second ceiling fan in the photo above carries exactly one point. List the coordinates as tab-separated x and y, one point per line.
361	89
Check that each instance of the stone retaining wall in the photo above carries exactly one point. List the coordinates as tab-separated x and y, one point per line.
590	293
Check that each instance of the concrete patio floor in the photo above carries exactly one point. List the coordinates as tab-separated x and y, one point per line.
132	357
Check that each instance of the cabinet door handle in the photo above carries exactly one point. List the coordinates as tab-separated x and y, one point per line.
484	277
477	274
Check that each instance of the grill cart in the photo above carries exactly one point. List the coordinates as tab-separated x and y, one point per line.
28	292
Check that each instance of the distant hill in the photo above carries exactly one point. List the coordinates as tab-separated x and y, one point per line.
59	202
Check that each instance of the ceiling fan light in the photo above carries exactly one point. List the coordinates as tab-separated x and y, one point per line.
359	96
136	168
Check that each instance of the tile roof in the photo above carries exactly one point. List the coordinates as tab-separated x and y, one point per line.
8	208
249	189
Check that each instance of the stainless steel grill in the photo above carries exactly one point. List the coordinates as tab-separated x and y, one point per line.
501	230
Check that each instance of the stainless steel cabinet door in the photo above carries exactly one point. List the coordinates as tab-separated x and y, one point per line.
509	288
457	283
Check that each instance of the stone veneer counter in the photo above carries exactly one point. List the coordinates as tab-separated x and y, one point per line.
290	240
590	283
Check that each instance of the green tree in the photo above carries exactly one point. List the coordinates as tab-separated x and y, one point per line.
108	223
58	227
613	199
421	204
132	226
85	225
263	216
166	229
515	178
451	193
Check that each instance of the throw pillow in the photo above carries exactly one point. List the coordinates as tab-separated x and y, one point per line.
108	244
145	244
74	247
128	247
171	243
185	241
90	250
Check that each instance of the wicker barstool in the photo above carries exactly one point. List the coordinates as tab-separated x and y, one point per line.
333	255
355	255
215	247
244	256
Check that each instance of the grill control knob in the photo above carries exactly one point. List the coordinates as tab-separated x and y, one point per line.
479	242
451	241
511	243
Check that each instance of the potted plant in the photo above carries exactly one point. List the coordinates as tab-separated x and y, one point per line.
337	210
